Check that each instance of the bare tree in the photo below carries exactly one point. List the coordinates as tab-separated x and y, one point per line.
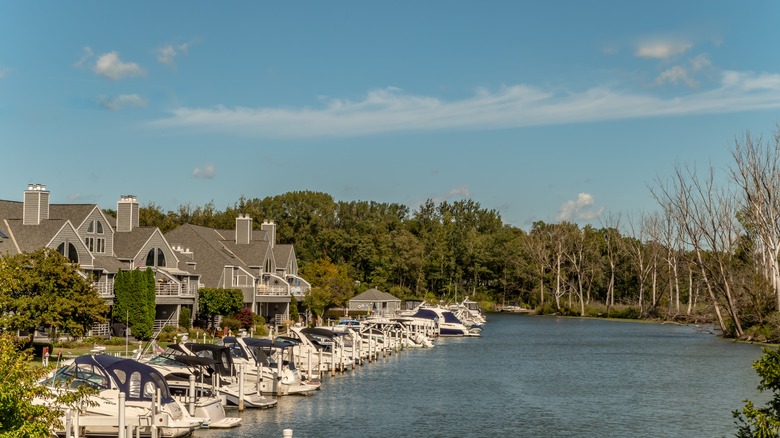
611	225
638	251
756	171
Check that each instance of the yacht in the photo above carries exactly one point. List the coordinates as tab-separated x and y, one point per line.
147	395
270	365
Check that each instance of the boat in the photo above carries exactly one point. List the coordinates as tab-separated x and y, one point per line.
227	376
147	396
270	365
446	322
186	377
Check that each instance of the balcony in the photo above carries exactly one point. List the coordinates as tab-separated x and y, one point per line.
175	290
104	289
270	289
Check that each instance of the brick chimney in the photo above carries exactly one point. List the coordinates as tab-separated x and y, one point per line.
243	229
36	204
127	213
270	229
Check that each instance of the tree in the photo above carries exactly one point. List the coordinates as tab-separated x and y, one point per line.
763	422
42	289
294	309
213	302
19	416
134	301
185	318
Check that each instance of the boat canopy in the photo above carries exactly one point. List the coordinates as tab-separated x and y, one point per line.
137	380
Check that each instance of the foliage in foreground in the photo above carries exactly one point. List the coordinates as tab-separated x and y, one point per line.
763	422
19	415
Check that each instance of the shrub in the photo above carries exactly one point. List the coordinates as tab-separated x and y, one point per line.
168	334
185	318
232	323
245	317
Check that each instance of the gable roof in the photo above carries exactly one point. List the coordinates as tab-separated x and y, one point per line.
208	251
375	294
128	243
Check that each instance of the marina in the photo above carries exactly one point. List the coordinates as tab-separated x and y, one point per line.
538	376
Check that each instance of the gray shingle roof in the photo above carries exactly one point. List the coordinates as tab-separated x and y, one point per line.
127	244
375	294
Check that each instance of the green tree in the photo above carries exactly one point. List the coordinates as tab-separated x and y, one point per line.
294	309
185	318
763	422
213	302
134	301
42	289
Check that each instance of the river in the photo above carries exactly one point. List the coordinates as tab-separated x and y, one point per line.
531	376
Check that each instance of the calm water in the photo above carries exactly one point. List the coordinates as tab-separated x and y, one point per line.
532	376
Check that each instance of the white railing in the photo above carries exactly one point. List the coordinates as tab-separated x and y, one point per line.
99	330
265	289
299	290
175	289
160	323
104	289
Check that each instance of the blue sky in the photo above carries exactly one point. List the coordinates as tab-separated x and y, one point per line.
540	110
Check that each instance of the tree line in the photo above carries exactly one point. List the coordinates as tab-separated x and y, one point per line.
709	252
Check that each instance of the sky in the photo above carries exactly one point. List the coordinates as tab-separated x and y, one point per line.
547	110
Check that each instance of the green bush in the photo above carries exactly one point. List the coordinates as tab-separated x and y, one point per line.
168	334
232	323
185	318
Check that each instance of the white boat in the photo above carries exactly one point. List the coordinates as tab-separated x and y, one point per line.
446	322
147	395
186	377
269	365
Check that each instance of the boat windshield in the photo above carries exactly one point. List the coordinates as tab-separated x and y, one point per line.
79	374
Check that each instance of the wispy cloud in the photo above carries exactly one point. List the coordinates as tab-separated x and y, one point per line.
167	53
517	106
122	101
4	72
460	192
579	209
662	48
206	172
684	74
110	66
86	55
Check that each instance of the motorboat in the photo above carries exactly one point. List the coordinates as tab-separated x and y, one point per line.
186	377
269	364
446	322
148	398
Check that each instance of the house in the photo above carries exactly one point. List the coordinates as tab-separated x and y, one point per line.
101	245
247	259
375	301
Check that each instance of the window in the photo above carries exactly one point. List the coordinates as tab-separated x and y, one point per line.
95	244
68	250
155	257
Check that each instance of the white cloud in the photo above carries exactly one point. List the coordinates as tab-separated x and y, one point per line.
4	72
581	208
680	74
517	106
675	75
167	53
84	57
110	66
662	49
206	172
120	102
